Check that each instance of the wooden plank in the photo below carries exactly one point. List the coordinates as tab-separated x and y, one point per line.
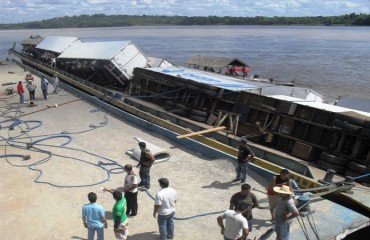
201	132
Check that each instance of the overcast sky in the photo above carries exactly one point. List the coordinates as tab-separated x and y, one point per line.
14	11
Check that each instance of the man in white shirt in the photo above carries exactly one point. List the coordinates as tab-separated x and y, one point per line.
164	206
55	84
236	226
130	189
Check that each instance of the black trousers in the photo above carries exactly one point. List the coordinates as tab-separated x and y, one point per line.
32	95
131	199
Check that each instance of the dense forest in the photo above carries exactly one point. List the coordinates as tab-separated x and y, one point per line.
101	20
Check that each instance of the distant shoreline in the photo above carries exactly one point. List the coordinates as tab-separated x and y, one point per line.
102	20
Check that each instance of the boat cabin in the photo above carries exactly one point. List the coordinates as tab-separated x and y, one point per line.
228	66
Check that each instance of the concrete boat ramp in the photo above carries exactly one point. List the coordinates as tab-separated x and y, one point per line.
66	137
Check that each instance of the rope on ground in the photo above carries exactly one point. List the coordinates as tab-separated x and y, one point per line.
34	146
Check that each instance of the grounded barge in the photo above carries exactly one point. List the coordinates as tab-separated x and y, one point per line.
329	220
290	119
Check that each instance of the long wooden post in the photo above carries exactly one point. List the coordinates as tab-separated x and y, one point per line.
201	132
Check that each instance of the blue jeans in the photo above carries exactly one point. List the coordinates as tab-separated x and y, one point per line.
250	224
166	226
91	233
144	174
241	171
45	93
21	98
55	88
282	230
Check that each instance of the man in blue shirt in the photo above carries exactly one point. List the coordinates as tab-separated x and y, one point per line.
93	218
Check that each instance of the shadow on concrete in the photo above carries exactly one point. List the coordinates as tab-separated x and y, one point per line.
144	236
76	237
220	185
261	223
108	215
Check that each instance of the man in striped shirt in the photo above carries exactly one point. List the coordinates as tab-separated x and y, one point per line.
245	196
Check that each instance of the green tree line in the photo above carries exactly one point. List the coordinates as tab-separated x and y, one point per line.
102	20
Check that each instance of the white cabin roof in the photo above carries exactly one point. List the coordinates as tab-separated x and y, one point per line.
209	78
235	84
319	105
95	50
57	44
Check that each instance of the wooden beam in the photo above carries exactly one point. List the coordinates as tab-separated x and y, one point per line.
201	132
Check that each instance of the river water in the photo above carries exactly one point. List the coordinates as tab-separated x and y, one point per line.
334	61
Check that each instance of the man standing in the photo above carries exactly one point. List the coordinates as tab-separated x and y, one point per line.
145	163
53	62
244	156
119	215
20	91
236	226
130	189
164	206
277	181
249	199
93	218
44	87
55	83
285	211
31	89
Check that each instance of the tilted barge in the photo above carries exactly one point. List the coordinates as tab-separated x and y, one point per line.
290	119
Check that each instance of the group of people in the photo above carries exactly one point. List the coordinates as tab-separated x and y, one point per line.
31	87
238	219
235	223
126	206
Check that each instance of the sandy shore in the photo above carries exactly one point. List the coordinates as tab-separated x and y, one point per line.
51	209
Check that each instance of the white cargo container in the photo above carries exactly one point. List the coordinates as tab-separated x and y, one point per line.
123	56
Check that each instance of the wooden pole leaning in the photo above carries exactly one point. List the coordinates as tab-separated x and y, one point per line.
201	132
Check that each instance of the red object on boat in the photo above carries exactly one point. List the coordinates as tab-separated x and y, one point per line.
238	69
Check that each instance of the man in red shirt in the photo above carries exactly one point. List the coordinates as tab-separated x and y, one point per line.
20	90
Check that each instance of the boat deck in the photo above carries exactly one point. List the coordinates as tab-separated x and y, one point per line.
52	209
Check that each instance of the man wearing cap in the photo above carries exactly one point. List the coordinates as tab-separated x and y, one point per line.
285	211
164	206
31	87
236	226
145	163
245	197
245	154
277	181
